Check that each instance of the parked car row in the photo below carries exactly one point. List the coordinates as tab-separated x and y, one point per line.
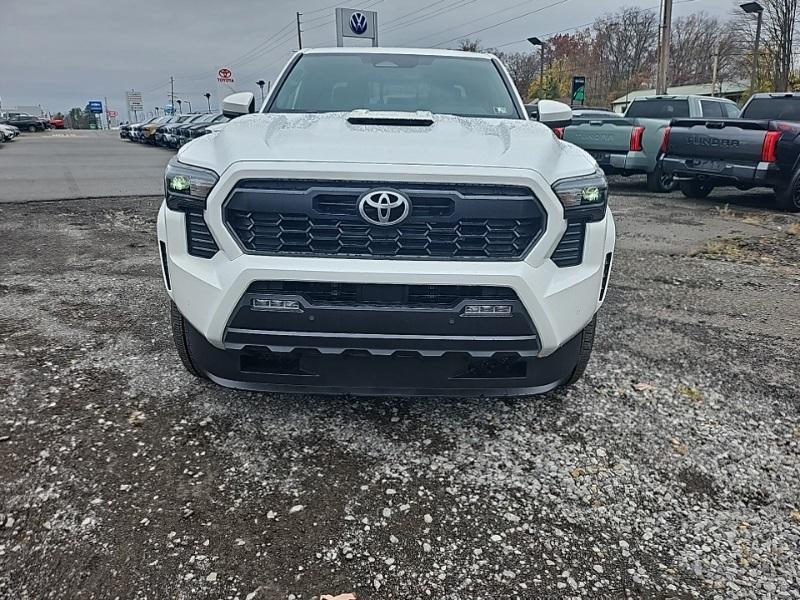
28	122
697	143
171	131
8	132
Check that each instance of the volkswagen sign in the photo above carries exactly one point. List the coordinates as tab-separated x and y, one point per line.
384	207
358	23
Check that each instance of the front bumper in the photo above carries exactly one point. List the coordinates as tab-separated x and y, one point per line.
560	302
404	373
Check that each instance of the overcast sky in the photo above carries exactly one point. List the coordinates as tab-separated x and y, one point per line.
62	53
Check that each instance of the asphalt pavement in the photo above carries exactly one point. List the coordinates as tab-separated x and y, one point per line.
670	472
69	164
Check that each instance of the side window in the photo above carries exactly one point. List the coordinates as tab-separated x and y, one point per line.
711	109
731	110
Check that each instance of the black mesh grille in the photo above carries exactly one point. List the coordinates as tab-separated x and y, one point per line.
375	294
200	241
446	220
569	251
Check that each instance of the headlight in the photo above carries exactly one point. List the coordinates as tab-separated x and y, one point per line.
187	187
584	196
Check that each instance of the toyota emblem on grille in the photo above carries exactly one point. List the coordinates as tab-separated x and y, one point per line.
384	207
358	23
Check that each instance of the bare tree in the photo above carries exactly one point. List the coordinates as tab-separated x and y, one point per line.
469	45
780	18
523	68
625	45
695	38
775	58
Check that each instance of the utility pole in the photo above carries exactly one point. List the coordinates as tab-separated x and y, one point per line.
714	67
663	46
535	41
172	93
105	104
299	37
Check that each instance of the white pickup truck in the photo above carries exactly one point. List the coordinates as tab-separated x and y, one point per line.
389	222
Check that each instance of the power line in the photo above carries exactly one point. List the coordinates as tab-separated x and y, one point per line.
636	10
530	12
447	8
480	18
393	24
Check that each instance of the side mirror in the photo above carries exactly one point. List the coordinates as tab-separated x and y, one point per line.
239	104
554	114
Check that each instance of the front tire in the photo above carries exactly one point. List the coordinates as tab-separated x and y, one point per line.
584	353
178	323
659	182
696	189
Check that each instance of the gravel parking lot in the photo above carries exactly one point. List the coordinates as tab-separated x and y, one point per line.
670	471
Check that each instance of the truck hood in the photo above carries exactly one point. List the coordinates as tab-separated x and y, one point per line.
448	141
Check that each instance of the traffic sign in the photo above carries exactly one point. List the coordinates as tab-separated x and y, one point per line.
134	100
95	106
112	114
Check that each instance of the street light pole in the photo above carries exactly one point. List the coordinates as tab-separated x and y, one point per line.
208	99
189	102
758	10
180	111
260	83
535	41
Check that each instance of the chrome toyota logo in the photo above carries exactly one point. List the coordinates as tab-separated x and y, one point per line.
358	23
384	207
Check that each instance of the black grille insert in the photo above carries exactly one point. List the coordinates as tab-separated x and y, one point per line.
199	239
376	294
569	251
447	220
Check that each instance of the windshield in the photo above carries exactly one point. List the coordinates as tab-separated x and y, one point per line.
782	109
468	87
659	108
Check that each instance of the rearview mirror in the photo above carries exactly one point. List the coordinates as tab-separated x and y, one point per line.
554	114
239	104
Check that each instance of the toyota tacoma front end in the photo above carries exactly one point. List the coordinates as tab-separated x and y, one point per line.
390	222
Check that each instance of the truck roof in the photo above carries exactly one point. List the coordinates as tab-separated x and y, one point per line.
676	97
776	95
409	51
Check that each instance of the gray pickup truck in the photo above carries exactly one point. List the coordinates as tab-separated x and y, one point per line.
761	149
629	144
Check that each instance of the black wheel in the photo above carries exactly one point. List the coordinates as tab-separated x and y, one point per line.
788	198
587	342
696	189
179	337
659	182
32	128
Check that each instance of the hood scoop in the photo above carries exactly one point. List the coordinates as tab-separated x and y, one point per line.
420	118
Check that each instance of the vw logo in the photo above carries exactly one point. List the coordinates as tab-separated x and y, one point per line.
358	23
384	207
